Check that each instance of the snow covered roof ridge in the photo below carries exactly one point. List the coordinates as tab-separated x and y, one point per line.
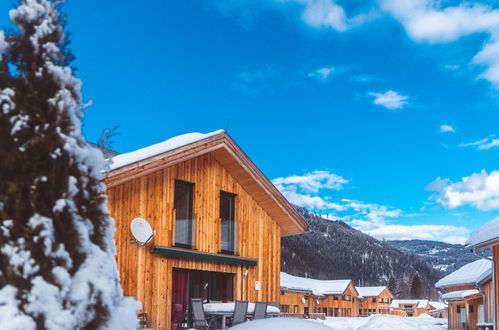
420	303
487	234
470	274
128	158
317	287
370	291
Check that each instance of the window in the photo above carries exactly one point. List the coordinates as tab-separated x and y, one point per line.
373	300
386	300
282	292
295	309
335	297
285	308
380	300
184	222
227	215
347	297
305	311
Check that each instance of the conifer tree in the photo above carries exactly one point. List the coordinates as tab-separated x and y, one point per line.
56	238
416	290
392	285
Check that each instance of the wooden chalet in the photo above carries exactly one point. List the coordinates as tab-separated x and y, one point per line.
336	298
469	295
217	220
410	307
374	300
488	237
439	309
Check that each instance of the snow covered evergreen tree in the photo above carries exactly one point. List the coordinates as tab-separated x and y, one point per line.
56	238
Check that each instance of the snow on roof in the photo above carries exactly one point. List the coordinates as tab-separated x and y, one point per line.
317	287
159	148
370	291
420	303
488	233
471	273
438	305
459	295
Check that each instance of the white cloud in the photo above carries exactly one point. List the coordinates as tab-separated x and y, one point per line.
429	21
391	99
483	144
364	78
480	190
313	181
446	129
322	73
449	234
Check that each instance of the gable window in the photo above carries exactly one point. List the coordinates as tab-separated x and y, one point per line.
184	221
229	225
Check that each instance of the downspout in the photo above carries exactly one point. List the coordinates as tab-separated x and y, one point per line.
494	311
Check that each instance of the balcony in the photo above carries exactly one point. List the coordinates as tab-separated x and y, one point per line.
229	243
185	233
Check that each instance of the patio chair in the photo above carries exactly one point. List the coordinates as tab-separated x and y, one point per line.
240	311
200	321
260	310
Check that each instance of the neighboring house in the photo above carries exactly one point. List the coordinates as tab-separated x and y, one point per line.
410	307
468	294
439	309
374	300
218	223
337	298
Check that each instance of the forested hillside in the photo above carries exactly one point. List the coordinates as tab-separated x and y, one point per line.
441	256
334	250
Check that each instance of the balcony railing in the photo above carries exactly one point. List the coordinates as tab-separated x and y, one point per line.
229	242
185	233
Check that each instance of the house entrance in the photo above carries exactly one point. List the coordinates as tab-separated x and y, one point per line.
209	286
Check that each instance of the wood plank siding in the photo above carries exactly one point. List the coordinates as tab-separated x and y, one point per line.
148	276
470	306
340	305
376	305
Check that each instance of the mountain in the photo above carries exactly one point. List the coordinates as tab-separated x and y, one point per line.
441	256
334	250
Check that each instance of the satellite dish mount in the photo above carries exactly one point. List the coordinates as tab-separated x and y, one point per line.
141	231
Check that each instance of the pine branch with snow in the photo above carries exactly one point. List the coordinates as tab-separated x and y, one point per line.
56	237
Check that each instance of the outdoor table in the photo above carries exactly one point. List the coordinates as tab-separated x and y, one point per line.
225	310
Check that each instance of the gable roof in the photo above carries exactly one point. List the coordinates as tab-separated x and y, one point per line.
130	166
370	291
485	235
470	274
317	287
420	303
438	305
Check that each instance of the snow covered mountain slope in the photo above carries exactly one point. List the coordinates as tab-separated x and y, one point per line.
333	250
441	256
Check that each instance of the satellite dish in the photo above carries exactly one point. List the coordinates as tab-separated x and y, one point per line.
303	300
141	231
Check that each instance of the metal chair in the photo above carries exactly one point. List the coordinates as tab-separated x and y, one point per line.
240	311
200	321
260	310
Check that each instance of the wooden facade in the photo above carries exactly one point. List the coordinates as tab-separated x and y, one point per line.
345	304
379	304
465	313
145	189
410	308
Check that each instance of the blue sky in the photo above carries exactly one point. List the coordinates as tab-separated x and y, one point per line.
354	108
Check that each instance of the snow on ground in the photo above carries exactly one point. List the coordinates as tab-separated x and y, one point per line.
374	322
